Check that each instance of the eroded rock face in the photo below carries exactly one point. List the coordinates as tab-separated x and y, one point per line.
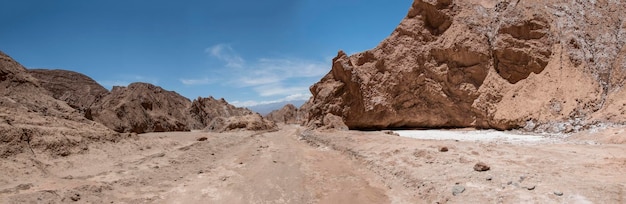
76	89
142	107
34	122
203	110
542	65
288	114
252	122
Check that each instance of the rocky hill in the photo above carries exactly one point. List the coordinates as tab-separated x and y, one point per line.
254	122
78	90
203	110
288	114
32	121
142	107
551	65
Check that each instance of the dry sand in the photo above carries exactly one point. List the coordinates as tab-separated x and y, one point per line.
297	166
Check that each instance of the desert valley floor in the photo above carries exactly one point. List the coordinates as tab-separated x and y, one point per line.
294	165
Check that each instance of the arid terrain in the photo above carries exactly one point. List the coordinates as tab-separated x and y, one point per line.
479	101
294	165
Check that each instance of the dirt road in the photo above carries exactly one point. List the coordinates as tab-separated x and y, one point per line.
290	166
242	167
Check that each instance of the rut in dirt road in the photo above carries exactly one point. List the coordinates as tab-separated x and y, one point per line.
275	167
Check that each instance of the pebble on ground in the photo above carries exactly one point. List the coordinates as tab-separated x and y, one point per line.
480	166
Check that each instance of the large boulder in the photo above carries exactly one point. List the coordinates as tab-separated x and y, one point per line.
32	121
76	89
142	107
551	65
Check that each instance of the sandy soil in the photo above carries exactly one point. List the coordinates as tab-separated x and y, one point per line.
296	166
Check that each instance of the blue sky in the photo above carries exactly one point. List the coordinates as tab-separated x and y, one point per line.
248	52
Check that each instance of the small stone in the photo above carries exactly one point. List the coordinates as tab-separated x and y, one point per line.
558	193
443	149
480	166
489	178
522	178
240	162
202	139
24	186
389	132
75	197
530	188
456	190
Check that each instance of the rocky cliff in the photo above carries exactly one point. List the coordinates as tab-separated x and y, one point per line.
76	89
142	107
551	65
34	122
203	110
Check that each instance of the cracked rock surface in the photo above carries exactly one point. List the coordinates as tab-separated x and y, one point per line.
555	66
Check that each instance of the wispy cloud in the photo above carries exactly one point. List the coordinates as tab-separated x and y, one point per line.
201	81
275	79
294	97
227	54
280	90
269	71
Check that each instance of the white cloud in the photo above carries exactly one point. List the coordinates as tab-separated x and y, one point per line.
259	80
226	53
294	97
201	81
279	79
278	90
244	103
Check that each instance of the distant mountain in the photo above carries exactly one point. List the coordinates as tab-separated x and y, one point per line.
264	109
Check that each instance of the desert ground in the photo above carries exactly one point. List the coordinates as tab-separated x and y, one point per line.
294	165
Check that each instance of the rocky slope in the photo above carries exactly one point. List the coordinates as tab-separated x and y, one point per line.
254	122
32	121
76	89
203	110
543	65
288	114
142	107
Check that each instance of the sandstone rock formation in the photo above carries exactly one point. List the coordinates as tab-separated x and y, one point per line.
203	110
252	122
32	121
142	107
76	89
288	114
551	65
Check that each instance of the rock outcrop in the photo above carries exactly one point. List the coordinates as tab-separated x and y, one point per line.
142	107
203	110
541	65
32	121
252	122
288	114
76	89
